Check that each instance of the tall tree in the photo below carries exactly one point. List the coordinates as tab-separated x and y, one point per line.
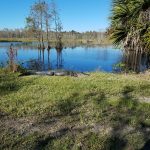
130	24
57	22
36	20
48	19
42	16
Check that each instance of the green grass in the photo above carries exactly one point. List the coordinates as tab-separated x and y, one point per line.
100	111
66	42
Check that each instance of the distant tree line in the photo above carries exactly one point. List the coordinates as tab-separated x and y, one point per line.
66	35
43	24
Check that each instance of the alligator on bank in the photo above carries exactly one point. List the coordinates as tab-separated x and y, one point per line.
55	73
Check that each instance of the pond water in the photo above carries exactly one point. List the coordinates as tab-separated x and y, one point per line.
83	59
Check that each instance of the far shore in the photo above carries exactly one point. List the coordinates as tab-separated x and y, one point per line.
65	42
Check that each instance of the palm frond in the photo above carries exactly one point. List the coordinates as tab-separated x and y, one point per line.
119	35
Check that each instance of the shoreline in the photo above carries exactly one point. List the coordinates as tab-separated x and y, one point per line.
65	42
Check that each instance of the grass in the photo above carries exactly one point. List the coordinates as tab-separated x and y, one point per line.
66	42
16	40
100	111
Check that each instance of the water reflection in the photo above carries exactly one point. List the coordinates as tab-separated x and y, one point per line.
75	58
136	61
34	65
48	54
59	49
41	58
12	58
78	59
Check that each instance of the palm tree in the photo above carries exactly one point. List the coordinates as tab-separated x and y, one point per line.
130	24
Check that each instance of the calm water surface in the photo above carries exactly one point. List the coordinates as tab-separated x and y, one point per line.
86	59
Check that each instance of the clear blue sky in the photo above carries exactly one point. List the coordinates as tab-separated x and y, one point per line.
79	15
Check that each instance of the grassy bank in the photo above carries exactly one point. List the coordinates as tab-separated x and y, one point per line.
105	41
16	40
100	111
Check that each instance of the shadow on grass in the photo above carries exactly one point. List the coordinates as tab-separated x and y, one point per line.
125	119
128	114
61	134
2	114
115	143
122	116
62	108
43	142
10	82
66	106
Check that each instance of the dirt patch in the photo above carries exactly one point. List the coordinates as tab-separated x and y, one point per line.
144	100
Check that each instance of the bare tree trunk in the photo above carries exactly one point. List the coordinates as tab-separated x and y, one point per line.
47	34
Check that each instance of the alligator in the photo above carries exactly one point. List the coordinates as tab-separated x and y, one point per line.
55	73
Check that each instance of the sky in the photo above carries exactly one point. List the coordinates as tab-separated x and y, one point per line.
78	15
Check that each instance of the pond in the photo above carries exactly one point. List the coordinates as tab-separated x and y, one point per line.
81	58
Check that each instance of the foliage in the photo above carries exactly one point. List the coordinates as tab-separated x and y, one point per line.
130	23
42	16
27	35
119	67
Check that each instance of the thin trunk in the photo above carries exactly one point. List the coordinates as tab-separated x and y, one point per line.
47	33
42	38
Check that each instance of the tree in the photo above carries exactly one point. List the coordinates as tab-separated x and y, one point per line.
57	22
42	16
130	24
36	20
48	19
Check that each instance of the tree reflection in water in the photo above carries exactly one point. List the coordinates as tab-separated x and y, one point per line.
47	59
59	49
136	61
42	64
48	54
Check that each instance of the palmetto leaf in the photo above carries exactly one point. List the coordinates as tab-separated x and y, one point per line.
119	35
131	18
